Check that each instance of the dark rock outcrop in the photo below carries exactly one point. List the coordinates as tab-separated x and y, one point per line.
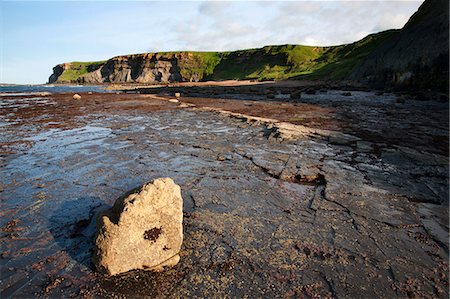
416	57
57	71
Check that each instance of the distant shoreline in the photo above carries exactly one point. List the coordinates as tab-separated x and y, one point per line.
218	83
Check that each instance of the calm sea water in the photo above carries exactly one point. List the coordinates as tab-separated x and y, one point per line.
50	88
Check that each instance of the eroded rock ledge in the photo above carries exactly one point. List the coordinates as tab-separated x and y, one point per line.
284	131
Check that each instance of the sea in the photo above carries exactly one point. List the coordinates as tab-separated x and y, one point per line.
20	89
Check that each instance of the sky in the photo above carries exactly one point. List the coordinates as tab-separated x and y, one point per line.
37	35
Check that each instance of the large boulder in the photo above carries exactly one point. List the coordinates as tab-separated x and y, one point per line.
143	230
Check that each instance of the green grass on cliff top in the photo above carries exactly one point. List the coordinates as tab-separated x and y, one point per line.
337	62
78	69
270	62
267	63
200	64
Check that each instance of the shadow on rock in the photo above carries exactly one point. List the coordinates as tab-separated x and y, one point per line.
73	227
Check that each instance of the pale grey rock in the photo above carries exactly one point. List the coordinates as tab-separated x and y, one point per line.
142	231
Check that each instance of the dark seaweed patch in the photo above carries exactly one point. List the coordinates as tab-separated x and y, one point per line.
152	234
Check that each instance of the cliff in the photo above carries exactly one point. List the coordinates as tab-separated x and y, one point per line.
138	68
153	67
417	57
267	63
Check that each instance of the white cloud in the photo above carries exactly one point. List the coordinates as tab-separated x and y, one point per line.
310	41
338	22
213	8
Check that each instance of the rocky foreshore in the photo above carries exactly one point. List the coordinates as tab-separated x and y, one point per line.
352	202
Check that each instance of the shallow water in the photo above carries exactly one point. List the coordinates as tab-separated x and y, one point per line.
25	90
24	103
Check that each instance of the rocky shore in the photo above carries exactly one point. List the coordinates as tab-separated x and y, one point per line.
333	194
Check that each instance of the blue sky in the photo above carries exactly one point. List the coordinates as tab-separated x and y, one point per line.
37	35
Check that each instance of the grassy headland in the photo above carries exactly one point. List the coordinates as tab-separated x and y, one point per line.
267	63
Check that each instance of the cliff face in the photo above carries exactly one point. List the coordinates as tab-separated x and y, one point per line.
417	57
139	68
267	63
58	71
134	68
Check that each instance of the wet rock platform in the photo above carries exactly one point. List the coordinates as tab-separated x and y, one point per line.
317	215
